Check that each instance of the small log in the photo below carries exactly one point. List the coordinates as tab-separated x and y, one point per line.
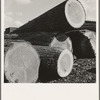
62	43
26	63
89	25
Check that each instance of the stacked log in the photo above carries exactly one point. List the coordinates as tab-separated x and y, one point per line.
91	35
26	63
83	43
60	42
67	16
84	71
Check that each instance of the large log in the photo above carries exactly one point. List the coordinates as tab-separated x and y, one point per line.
19	62
83	43
27	63
91	35
66	16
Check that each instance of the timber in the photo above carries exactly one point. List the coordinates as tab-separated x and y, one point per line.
83	43
65	17
84	71
25	63
20	60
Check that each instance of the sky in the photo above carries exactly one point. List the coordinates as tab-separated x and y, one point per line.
19	12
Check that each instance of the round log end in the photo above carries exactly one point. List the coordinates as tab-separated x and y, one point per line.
75	13
21	63
65	63
66	44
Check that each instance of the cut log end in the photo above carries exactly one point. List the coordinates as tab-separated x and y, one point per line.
66	44
21	63
65	63
92	37
75	13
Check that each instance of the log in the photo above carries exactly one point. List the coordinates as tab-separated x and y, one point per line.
62	41
83	43
84	71
91	35
10	36
44	38
25	63
62	18
19	62
65	17
37	38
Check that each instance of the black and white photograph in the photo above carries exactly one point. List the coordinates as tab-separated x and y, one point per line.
50	50
50	41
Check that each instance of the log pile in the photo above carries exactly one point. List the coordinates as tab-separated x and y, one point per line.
65	17
84	43
65	44
44	49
